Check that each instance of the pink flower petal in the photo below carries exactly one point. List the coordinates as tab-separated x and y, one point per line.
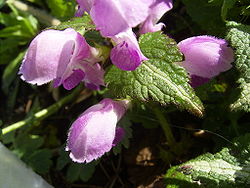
206	56
126	55
74	79
59	56
93	133
119	134
157	9
52	54
49	49
84	5
94	75
112	17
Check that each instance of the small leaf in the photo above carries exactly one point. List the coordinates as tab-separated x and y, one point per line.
226	6
31	23
206	14
79	24
158	79
40	160
24	144
62	8
20	27
87	171
8	138
93	37
8	44
81	171
38	2
8	19
13	31
73	172
12	97
2	2
228	168
10	72
63	159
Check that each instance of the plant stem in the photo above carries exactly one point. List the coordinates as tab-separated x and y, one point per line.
43	113
42	16
165	126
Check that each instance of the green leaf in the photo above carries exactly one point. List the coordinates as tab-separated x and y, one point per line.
40	160
21	27
239	37
228	168
93	37
243	101
25	144
31	23
226	6
5	18
63	159
2	2
62	8
81	25
143	115
38	2
159	79
10	72
87	171
8	19
12	96
206	14
81	171
7	45
245	10
8	138
73	172
13	31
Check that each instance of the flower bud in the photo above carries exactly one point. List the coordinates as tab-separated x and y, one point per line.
206	57
126	54
94	132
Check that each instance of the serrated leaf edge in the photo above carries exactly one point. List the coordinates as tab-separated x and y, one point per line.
198	109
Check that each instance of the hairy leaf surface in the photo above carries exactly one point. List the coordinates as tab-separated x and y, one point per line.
239	37
228	168
159	79
80	24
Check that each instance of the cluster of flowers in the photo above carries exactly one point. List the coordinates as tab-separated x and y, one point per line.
65	58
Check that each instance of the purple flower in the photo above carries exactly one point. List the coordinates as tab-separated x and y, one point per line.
94	132
112	17
156	10
126	55
205	57
115	19
84	5
63	57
